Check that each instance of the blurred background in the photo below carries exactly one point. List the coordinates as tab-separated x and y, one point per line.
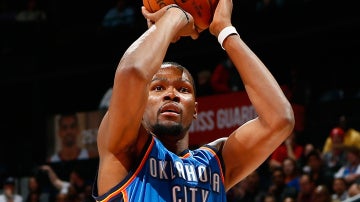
59	56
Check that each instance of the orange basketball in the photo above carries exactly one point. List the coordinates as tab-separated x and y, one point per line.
201	10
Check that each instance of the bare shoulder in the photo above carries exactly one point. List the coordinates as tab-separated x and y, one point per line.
218	143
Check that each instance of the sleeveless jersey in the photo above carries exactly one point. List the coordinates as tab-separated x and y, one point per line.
163	176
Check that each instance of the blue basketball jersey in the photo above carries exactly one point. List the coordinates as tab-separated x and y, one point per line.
161	176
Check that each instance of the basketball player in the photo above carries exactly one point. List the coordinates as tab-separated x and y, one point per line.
143	137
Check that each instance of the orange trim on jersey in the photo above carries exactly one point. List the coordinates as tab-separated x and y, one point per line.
186	155
217	159
122	188
125	195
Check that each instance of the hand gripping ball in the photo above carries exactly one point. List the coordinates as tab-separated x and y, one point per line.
201	10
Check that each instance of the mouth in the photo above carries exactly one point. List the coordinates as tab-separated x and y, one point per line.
170	108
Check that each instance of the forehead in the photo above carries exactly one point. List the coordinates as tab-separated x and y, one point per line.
67	119
168	72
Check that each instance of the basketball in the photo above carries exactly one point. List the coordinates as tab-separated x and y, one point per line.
201	10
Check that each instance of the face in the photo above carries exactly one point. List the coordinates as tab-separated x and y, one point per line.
289	199
8	189
171	105
337	139
68	131
278	177
33	184
339	185
289	166
306	186
315	162
321	194
269	199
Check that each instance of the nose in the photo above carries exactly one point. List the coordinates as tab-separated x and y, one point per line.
172	95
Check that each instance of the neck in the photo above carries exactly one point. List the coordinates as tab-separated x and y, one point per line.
175	144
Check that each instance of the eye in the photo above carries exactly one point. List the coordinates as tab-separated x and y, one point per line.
158	88
184	90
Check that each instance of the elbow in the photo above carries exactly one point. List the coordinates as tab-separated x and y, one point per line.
286	122
282	121
125	74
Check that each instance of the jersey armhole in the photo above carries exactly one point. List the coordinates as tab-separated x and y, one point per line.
218	154
143	152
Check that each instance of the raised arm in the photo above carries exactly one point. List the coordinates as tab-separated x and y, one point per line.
54	179
121	137
254	141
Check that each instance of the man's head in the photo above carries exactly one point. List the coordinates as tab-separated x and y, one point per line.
322	194
68	129
278	176
171	103
9	186
337	135
307	184
314	161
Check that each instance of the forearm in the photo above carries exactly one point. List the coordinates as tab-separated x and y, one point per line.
274	110
260	136
290	152
148	52
54	179
135	70
263	90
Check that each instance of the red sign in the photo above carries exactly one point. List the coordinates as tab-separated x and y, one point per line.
219	115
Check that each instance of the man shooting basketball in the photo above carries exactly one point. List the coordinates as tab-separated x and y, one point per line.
143	138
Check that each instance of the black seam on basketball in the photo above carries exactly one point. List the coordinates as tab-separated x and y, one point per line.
149	6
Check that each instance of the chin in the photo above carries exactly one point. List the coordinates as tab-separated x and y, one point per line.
168	129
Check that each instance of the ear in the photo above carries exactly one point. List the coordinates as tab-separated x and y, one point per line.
195	111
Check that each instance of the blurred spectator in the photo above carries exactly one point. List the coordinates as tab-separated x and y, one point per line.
307	188
353	193
248	190
289	199
121	15
33	197
61	185
279	188
269	198
35	192
237	192
336	156
318	171
289	148
224	78
351	170
9	192
322	194
75	189
292	172
32	13
339	187
351	135
308	148
69	133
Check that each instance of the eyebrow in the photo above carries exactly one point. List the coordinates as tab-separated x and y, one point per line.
165	79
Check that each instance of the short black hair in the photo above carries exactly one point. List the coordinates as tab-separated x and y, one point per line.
9	181
179	66
69	114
